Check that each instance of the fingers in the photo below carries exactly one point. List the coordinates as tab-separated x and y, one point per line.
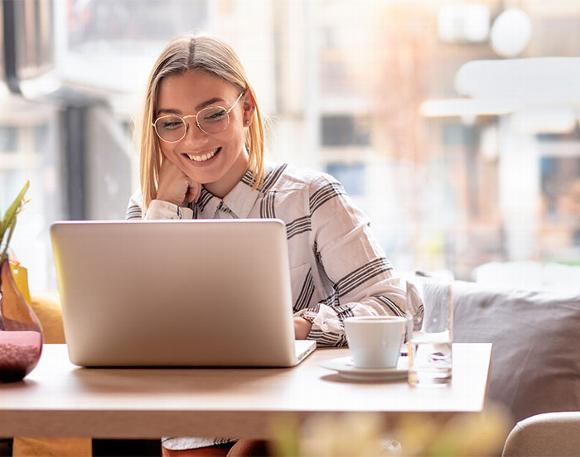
175	187
193	192
173	184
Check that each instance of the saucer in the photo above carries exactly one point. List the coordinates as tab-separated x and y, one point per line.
346	369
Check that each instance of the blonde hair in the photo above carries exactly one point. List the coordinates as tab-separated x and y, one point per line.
181	55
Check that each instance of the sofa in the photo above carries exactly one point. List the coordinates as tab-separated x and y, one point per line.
535	362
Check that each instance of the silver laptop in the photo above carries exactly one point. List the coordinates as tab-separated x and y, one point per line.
176	293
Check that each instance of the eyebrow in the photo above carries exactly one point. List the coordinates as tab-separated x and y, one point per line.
197	108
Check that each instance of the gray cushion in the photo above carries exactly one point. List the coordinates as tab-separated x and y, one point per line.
535	366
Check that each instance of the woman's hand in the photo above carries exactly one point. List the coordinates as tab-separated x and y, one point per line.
175	187
301	328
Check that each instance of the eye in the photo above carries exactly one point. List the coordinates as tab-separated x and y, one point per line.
214	115
171	123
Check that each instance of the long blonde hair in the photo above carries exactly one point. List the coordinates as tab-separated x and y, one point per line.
181	55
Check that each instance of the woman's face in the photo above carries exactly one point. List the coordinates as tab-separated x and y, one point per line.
217	160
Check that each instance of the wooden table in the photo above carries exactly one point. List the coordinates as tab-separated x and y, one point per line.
60	399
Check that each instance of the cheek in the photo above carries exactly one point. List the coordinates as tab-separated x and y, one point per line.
166	150
168	153
235	137
237	142
240	134
237	129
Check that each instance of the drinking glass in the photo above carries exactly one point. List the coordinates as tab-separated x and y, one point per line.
429	344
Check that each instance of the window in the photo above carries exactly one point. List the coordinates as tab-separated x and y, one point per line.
345	86
40	137
352	176
8	139
457	135
105	21
345	130
560	185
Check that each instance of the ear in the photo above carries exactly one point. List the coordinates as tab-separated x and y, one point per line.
248	107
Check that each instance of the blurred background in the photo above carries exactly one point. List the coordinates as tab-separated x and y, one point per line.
465	156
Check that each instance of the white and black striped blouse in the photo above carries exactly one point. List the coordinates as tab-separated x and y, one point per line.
337	268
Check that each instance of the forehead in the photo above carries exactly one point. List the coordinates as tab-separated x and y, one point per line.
191	88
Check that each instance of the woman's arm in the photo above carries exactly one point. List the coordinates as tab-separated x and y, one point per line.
356	266
175	191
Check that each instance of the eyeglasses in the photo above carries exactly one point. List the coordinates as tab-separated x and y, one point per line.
172	128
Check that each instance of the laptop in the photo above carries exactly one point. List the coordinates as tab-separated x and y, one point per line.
176	293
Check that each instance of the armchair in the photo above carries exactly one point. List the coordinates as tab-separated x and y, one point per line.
546	435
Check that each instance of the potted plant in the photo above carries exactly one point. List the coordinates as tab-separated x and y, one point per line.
372	435
20	330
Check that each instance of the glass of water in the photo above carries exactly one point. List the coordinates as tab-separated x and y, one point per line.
429	344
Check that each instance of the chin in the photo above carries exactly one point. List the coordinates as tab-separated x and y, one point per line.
202	178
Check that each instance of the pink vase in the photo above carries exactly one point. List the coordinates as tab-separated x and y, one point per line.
20	330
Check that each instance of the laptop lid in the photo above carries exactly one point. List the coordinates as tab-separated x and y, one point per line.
175	293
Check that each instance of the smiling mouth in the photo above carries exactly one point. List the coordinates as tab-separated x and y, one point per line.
202	157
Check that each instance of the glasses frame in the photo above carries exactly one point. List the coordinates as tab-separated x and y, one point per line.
183	119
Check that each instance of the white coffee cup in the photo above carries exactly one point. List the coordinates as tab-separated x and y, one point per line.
375	341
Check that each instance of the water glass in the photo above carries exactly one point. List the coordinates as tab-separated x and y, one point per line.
429	344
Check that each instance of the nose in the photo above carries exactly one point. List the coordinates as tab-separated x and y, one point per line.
193	134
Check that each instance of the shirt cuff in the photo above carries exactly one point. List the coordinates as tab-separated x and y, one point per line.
159	209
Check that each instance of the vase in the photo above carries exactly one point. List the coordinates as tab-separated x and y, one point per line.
20	330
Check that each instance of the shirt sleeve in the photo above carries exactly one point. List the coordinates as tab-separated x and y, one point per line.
158	209
347	254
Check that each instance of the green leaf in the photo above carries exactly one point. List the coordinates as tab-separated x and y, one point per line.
9	219
11	211
8	238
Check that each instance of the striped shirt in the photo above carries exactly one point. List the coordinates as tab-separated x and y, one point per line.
337	270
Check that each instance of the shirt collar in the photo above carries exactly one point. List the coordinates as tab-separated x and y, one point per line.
240	200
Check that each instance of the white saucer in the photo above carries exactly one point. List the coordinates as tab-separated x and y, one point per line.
346	369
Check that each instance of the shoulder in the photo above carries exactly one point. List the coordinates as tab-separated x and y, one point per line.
305	179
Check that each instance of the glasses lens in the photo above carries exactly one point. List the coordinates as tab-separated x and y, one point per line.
213	119
170	128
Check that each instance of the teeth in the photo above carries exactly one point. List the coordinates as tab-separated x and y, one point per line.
202	157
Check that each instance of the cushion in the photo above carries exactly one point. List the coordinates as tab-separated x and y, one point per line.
535	362
47	308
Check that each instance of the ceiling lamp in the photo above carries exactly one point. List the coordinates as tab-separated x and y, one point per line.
511	32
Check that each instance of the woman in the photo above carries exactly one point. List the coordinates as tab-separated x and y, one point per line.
202	156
